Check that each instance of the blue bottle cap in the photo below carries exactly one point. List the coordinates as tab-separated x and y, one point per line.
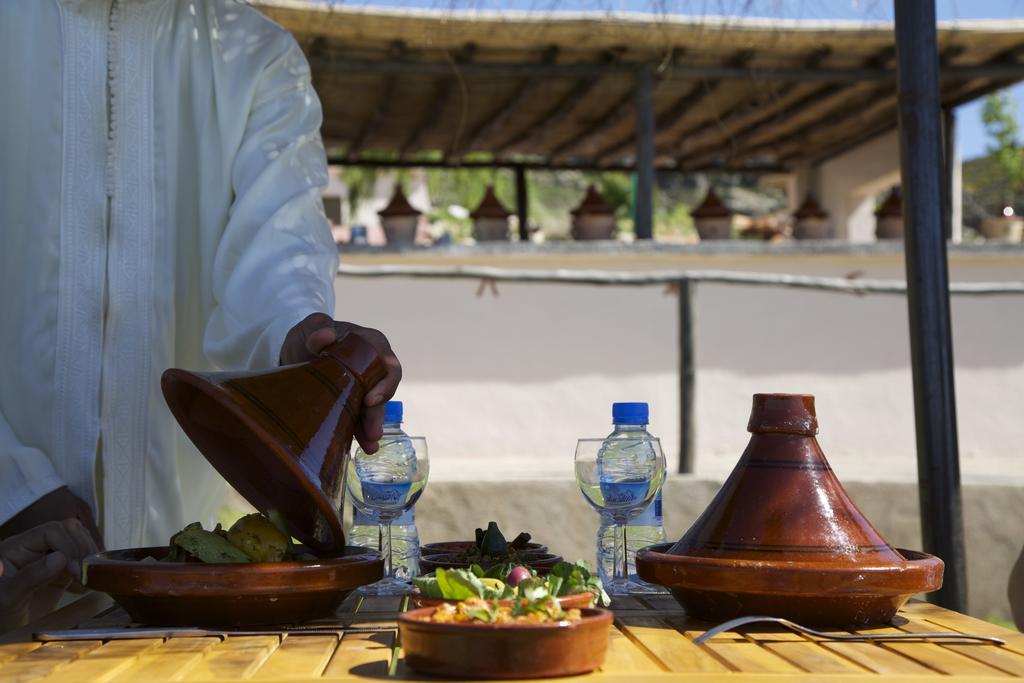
629	413
393	412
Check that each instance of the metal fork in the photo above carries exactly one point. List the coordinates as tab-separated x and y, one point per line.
743	621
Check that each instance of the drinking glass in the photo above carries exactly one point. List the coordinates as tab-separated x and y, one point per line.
621	491
385	486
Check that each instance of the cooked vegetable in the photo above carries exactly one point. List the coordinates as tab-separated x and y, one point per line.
492	548
207	546
253	538
259	538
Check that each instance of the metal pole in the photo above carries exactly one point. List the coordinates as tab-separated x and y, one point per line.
687	377
644	204
931	344
948	154
522	205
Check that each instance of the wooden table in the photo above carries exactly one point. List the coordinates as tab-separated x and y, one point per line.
652	640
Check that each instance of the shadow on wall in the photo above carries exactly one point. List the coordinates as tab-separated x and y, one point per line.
459	331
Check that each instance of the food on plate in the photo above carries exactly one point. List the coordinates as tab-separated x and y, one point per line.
253	538
511	582
491	548
542	610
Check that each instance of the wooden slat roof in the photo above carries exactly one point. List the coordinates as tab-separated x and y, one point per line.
558	89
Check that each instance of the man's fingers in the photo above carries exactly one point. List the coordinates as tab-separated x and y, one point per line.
34	575
320	339
26	548
383	390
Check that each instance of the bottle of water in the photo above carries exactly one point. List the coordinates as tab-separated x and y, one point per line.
365	531
629	420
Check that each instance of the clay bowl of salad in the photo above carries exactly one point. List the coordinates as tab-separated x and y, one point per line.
572	585
483	639
249	575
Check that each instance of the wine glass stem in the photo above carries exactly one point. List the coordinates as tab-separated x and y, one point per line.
620	558
625	553
385	547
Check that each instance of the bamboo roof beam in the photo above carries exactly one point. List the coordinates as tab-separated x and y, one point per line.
670	117
539	131
442	95
381	108
508	108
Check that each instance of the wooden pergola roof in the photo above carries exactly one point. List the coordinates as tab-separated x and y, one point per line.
564	90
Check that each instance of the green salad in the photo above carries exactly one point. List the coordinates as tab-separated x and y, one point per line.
508	582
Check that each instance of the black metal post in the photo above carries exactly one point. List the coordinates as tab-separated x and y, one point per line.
522	205
931	344
687	377
948	159
643	213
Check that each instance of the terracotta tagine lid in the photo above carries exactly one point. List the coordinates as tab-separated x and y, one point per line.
490	206
712	207
892	207
810	209
783	538
593	204
399	205
281	437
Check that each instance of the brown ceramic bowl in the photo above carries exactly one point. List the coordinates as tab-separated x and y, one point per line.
812	593
539	562
449	547
229	595
504	650
574	601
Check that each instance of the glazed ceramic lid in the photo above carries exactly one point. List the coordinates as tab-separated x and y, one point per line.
593	204
783	502
490	206
810	209
712	207
281	437
892	207
399	205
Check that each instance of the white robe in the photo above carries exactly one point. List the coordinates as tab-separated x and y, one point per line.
160	179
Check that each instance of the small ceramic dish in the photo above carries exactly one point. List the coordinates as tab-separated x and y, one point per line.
576	600
228	595
478	650
815	593
449	547
539	562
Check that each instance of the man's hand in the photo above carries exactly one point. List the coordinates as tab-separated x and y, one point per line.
55	506
306	340
37	565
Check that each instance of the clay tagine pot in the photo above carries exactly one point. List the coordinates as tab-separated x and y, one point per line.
399	219
889	216
810	221
594	218
281	437
783	539
490	219
713	219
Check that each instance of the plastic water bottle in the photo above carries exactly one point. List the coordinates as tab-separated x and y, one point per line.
629	420
365	531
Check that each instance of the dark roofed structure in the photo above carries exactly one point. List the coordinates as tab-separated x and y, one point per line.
560	90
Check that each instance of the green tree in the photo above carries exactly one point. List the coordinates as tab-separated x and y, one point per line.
1001	122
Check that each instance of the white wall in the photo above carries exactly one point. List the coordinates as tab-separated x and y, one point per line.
503	385
848	184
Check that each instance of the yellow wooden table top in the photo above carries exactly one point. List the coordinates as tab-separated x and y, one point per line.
652	639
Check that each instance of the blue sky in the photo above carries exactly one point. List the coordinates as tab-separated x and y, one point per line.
971	136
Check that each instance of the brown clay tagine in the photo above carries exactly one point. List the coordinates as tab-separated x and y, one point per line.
281	437
783	539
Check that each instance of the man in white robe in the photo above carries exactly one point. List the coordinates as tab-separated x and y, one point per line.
160	179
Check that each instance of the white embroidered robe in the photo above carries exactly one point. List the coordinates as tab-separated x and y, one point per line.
160	180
